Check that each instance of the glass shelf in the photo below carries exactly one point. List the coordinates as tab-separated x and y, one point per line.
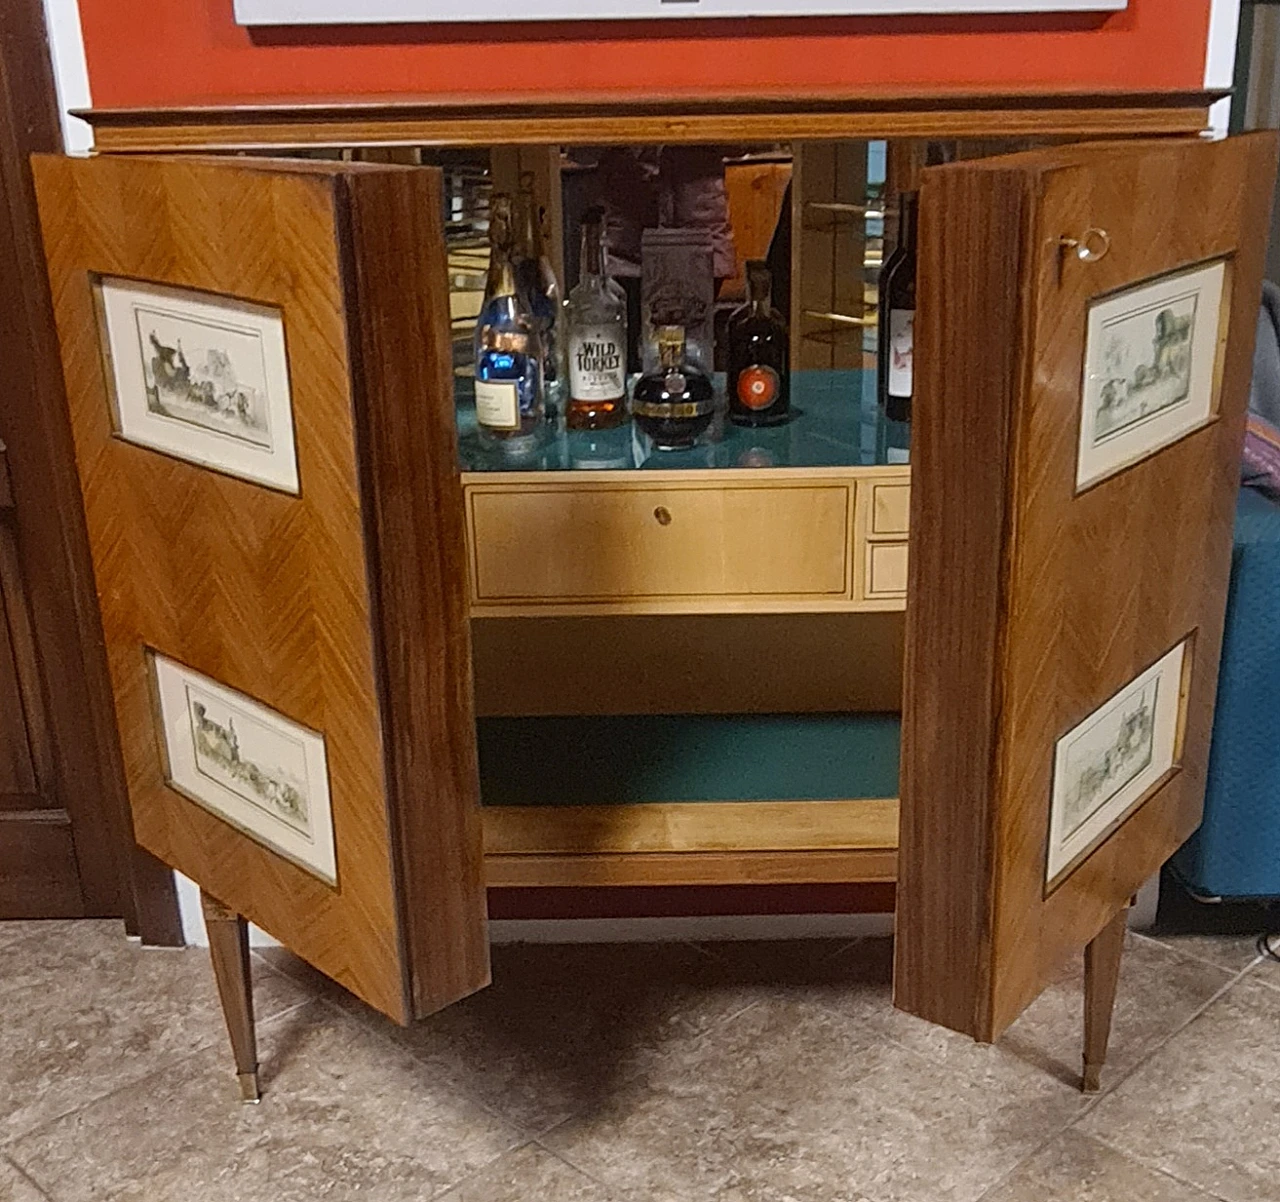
628	759
835	423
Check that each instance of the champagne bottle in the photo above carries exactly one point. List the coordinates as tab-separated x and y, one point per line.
536	278
510	407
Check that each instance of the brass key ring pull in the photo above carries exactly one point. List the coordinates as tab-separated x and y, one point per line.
1091	246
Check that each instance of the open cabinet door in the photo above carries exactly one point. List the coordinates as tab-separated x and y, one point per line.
257	359
1083	351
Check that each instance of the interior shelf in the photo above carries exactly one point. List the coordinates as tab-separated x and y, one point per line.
835	423
617	760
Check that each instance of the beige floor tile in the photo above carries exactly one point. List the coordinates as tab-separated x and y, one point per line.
15	1187
1075	1168
1159	991
802	968
795	1101
1206	1107
563	1026
1267	969
529	1174
87	1011
1232	952
345	1114
12	931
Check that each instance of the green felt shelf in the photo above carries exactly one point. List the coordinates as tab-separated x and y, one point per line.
629	759
835	423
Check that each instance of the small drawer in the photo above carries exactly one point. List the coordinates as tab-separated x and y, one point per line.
580	543
890	508
886	570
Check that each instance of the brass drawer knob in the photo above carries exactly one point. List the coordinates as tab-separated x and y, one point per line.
663	515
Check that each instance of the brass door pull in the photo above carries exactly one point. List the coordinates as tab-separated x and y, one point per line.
1091	246
663	515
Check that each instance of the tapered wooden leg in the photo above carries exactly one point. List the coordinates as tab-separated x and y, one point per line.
1101	974
229	948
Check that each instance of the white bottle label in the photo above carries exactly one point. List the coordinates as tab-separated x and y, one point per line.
498	404
901	333
597	364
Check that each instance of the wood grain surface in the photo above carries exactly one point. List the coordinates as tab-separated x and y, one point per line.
692	826
1032	605
625	544
295	601
711	868
681	542
484	121
398	325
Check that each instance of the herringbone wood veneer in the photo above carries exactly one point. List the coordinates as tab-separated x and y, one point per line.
343	607
1030	605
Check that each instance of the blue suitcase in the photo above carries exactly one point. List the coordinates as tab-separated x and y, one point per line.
1236	851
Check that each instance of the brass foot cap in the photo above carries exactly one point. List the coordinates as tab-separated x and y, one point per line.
250	1094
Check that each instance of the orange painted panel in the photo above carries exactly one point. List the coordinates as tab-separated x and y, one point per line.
144	53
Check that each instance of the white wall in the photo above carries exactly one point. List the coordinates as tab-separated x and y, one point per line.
70	71
1220	58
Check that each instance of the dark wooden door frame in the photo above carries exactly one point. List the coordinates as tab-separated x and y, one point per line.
116	877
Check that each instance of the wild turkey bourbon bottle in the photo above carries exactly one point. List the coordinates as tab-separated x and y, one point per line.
759	379
596	319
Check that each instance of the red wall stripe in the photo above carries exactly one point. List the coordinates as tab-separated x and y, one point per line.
143	53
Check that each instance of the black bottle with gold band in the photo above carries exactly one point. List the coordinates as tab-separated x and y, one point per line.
675	403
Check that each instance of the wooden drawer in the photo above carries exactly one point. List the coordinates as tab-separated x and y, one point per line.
631	546
890	508
886	570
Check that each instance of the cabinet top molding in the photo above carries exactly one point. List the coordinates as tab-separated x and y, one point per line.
489	119
375	12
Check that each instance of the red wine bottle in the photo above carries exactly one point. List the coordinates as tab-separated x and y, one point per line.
898	316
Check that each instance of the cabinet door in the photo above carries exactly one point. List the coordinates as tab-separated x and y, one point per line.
257	359
1083	352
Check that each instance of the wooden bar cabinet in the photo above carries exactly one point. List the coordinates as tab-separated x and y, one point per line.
583	652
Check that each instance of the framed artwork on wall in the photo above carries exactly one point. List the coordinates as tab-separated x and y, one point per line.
1153	356
372	12
258	770
204	378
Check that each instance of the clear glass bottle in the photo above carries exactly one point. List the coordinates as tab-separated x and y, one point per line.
596	332
674	403
536	279
510	407
759	377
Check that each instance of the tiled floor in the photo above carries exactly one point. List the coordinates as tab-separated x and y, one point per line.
674	1073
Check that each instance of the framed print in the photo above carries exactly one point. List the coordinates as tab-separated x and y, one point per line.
345	12
263	773
1104	767
201	377
1151	368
